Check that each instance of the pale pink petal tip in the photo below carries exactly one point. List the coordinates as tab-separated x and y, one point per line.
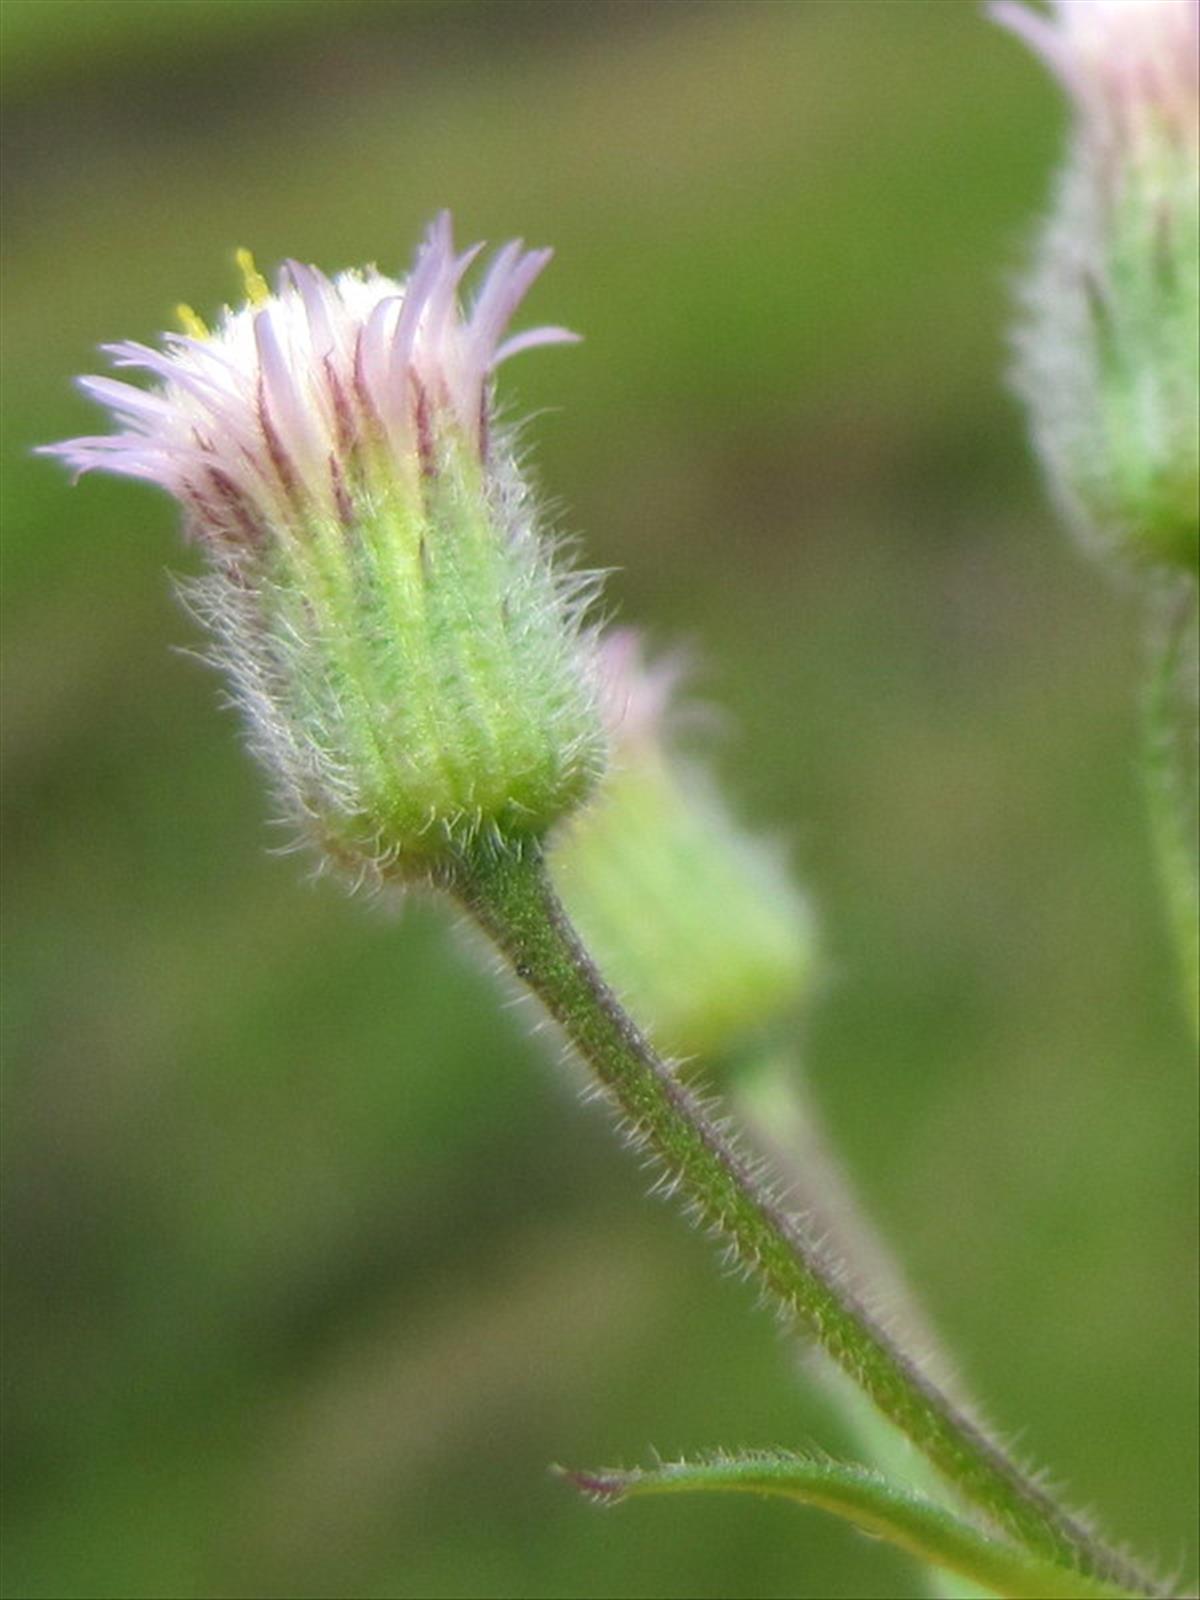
256	417
635	695
1038	31
1120	60
531	338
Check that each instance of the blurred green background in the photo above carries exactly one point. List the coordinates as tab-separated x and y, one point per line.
314	1262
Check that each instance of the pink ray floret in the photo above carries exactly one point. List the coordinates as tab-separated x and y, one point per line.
290	394
636	696
1121	61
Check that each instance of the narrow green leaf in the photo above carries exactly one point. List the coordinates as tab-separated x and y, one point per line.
910	1521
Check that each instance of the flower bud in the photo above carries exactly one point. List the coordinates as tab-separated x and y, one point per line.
694	923
409	659
1107	357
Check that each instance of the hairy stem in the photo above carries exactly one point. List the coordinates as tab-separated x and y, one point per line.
771	1101
1169	756
509	893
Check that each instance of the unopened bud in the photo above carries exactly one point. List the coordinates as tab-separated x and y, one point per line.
693	921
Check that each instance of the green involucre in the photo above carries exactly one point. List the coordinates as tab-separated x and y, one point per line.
1145	477
417	678
1109	357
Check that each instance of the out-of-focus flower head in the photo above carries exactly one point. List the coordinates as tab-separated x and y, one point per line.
1107	353
694	921
1130	67
411	663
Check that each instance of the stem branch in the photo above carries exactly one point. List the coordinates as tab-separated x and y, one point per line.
509	893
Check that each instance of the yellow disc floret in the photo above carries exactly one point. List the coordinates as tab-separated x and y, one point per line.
256	286
191	322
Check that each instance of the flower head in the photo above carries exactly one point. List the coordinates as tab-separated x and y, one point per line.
1107	354
695	921
411	663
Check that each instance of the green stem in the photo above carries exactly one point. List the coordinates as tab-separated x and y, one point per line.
1168	757
771	1100
509	893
